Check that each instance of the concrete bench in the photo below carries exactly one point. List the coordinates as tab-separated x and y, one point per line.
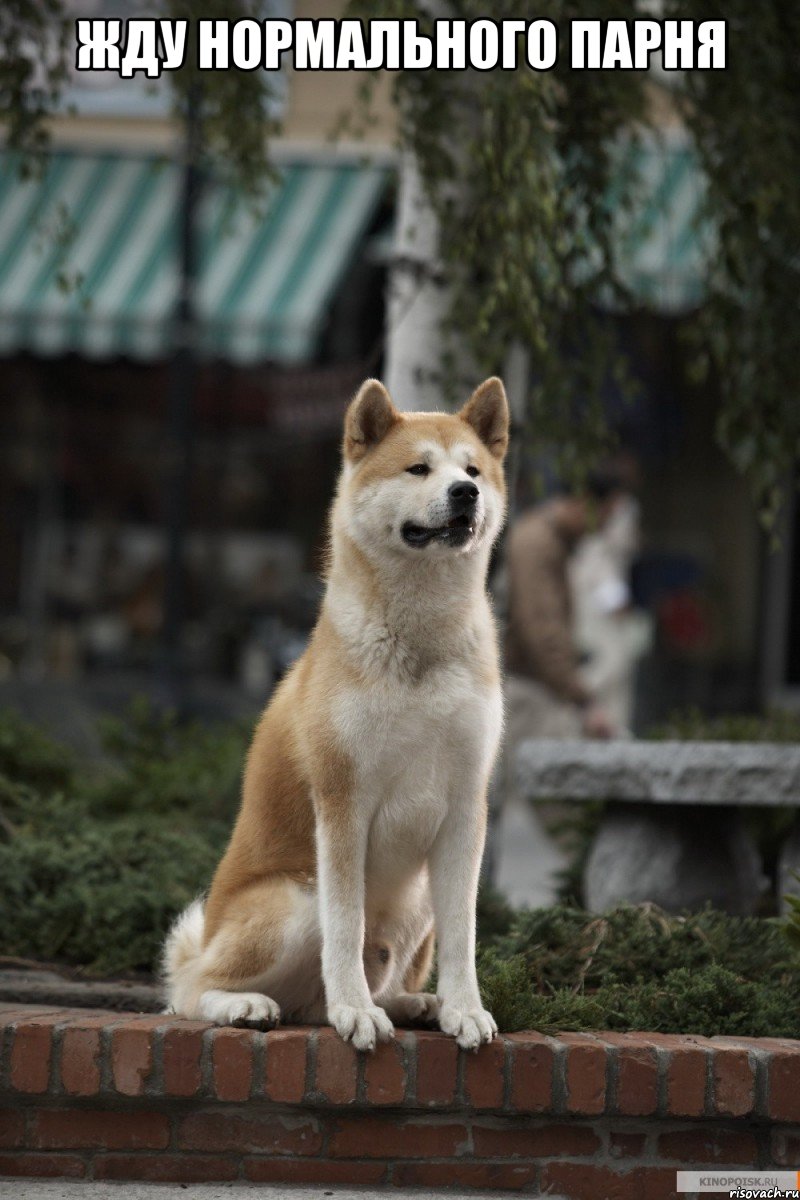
672	832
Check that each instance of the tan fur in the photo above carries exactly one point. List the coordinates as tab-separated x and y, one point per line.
303	771
418	973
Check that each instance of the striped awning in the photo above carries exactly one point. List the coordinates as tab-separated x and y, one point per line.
663	245
89	257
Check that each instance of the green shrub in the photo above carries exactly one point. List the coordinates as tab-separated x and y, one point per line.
96	860
710	1002
100	895
692	725
95	863
567	947
160	765
637	968
30	756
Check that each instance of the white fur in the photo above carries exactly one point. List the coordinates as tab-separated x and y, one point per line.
239	1008
184	944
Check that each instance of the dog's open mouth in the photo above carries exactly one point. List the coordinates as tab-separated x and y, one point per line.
456	532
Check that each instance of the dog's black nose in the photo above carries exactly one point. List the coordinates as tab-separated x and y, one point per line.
462	494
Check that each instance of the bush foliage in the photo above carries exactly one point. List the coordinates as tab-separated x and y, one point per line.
637	968
96	859
691	725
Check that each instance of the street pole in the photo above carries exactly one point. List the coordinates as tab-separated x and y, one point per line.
516	374
180	405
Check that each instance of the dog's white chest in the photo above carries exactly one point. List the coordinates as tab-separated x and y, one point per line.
415	751
392	731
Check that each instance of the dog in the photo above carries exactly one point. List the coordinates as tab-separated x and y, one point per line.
363	812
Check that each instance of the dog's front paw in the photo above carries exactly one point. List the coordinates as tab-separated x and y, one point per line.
468	1025
361	1026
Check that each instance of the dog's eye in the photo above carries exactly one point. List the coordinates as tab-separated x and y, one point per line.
472	471
419	469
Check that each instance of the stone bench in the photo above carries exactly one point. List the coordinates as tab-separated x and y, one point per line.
672	832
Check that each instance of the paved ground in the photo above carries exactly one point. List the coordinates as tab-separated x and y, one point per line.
527	858
24	1189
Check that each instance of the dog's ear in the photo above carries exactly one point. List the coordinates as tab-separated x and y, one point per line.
487	412
369	418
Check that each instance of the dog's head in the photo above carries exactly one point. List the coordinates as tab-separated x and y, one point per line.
427	484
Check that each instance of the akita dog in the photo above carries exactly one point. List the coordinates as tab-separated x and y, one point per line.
364	799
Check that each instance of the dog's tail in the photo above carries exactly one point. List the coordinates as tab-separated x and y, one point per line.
180	959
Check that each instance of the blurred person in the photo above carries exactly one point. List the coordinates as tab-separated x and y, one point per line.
547	695
611	634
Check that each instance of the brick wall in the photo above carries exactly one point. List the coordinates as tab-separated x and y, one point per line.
587	1116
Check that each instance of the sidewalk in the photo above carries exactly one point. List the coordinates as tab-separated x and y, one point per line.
26	1189
527	857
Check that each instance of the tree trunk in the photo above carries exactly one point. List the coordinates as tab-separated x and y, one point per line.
417	301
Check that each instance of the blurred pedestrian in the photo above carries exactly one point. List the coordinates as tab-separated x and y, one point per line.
611	633
546	693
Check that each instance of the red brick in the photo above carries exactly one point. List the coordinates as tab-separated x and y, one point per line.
79	1017
534	1141
232	1063
374	1137
674	1041
585	1074
31	1053
687	1059
785	1148
658	1183
13	1014
626	1145
734	1083
437	1065
584	1182
637	1074
771	1044
166	1168
12	1128
580	1181
313	1170
132	1057
73	1129
385	1073
531	1073
506	1176
286	1065
41	1166
337	1068
80	1061
182	1050
687	1071
484	1075
267	1132
709	1146
784	1085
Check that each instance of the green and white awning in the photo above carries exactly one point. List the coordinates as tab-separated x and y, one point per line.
88	257
662	244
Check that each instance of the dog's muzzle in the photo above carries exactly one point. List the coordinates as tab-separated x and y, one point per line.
460	526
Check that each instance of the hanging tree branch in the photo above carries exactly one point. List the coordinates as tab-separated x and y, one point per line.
527	197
